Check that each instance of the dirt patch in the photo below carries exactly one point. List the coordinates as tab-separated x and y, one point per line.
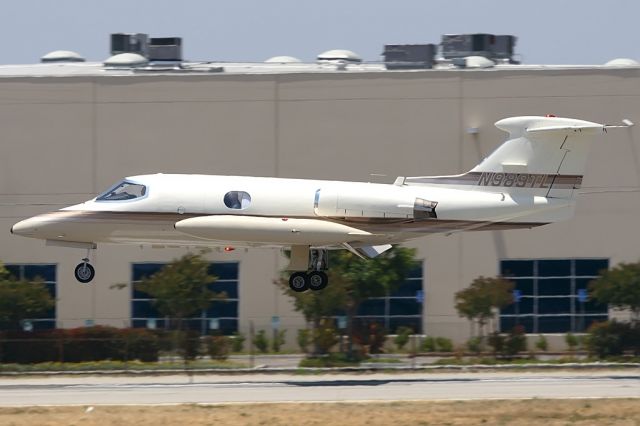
495	412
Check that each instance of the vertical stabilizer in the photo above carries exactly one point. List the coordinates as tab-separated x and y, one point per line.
544	156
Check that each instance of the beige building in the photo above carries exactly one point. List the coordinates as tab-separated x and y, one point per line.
69	131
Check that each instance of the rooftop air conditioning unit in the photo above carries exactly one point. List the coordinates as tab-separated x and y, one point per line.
165	49
409	56
130	43
488	45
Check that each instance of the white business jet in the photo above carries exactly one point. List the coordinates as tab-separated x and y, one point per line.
530	180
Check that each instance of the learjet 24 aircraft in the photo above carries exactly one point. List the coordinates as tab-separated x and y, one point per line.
530	180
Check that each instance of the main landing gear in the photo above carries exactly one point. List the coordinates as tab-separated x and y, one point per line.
303	281
315	261
84	272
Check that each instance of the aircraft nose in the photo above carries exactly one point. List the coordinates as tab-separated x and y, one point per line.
26	228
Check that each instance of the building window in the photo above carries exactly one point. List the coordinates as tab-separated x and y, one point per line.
46	273
220	317
552	294
403	307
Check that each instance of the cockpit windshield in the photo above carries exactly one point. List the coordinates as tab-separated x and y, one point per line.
123	191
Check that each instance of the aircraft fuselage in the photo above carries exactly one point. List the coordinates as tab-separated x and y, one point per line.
382	213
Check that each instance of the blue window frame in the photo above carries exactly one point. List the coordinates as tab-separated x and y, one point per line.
47	272
220	314
549	291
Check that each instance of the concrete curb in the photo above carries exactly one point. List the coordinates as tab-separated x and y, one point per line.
370	368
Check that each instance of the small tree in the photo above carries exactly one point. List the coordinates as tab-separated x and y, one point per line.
180	288
351	281
361	279
478	301
20	300
620	288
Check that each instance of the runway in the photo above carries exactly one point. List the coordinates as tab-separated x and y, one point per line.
94	390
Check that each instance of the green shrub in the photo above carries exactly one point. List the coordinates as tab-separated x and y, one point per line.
632	338
572	341
330	360
510	344
515	342
474	345
325	336
444	345
260	342
303	339
374	336
497	342
237	342
93	344
278	340
188	344
607	339
428	344
141	344
436	344
402	337
218	346
541	343
84	344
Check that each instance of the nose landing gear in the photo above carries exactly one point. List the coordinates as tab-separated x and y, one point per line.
84	272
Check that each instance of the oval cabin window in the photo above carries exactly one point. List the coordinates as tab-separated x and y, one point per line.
238	200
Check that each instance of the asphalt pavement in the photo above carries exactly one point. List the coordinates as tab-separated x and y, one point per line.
213	389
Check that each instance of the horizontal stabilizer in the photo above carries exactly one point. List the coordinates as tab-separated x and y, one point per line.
590	128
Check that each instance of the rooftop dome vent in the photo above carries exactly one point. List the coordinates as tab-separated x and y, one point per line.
62	56
126	60
283	60
336	55
473	62
622	62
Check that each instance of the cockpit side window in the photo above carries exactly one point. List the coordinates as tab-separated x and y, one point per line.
124	191
237	200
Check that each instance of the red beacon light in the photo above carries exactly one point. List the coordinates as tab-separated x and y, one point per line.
551	115
228	249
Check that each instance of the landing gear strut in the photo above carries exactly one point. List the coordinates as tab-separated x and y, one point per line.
84	272
314	278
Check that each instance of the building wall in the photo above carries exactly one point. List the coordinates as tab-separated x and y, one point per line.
65	139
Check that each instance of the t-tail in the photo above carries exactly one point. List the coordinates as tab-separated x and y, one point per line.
543	157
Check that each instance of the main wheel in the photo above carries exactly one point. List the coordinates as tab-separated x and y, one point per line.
299	282
318	280
84	272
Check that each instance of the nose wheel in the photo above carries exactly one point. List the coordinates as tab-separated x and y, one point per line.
84	272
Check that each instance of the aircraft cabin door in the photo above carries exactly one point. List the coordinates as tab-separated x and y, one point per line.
325	203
